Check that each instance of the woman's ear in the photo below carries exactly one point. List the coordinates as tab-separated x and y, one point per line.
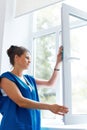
16	58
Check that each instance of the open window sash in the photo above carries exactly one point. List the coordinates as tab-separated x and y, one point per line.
74	40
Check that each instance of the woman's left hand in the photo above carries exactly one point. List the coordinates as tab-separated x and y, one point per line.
60	54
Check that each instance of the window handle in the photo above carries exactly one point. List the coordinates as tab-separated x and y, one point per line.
73	58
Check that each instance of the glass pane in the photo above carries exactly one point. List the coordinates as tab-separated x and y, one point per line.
78	38
44	53
47	17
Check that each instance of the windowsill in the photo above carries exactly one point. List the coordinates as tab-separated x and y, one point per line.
66	127
49	123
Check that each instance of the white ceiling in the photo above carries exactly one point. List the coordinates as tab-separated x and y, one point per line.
26	6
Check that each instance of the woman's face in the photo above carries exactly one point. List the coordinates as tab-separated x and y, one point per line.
23	61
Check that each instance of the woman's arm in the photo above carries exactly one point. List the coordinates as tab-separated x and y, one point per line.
15	95
55	73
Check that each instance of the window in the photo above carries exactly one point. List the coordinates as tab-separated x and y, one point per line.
45	58
47	34
46	40
45	49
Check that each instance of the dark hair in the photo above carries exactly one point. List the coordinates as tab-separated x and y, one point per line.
15	50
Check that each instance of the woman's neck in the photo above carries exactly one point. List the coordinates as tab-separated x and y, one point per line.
17	72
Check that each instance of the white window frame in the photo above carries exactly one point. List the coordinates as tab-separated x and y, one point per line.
66	11
54	30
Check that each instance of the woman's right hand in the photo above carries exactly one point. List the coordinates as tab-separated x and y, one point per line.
58	109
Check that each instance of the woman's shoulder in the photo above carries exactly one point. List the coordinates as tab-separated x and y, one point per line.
7	75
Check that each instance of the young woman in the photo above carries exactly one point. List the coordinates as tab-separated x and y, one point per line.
19	101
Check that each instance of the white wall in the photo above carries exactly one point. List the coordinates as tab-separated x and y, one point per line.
15	31
2	23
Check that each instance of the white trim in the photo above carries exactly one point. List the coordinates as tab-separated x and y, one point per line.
46	32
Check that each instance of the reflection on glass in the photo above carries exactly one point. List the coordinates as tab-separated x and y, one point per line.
78	38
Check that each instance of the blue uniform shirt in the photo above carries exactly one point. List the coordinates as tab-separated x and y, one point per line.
15	117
